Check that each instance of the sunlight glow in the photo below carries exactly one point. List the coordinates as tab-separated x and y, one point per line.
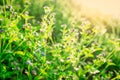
109	7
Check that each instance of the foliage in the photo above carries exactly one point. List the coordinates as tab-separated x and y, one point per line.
41	40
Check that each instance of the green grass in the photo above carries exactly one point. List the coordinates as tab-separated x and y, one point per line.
41	40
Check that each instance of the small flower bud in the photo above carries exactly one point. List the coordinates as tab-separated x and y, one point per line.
1	31
34	72
29	62
47	9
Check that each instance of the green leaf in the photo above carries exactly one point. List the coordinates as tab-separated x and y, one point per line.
98	51
20	53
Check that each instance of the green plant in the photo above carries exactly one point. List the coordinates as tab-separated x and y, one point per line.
53	45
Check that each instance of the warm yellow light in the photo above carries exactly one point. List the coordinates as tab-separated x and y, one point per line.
109	7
